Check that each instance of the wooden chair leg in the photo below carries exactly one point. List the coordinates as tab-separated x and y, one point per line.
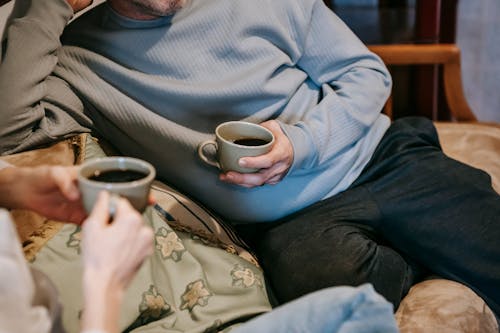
453	90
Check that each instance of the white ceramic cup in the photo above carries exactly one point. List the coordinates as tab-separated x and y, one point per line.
106	173
234	140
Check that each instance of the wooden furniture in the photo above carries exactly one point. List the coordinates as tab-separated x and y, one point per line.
420	89
447	55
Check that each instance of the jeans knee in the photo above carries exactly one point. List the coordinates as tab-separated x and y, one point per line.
321	259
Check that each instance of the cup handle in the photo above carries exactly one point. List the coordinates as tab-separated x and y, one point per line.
205	158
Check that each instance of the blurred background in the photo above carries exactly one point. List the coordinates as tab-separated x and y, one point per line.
473	24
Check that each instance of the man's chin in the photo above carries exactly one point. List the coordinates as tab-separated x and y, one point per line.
159	8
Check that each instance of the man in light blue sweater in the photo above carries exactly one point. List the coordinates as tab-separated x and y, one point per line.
343	197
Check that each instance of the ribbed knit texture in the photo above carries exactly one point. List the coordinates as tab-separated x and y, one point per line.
156	89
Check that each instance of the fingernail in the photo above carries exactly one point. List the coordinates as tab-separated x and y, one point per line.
242	162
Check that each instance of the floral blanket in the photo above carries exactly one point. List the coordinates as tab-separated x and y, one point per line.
201	277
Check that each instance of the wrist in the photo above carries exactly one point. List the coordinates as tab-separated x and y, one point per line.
102	297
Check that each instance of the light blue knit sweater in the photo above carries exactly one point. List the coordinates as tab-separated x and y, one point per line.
156	89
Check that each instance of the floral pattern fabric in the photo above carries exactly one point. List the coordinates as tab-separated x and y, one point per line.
200	278
186	286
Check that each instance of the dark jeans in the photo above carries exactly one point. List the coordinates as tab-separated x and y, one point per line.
412	210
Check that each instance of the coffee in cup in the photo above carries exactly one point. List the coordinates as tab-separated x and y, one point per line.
127	177
234	140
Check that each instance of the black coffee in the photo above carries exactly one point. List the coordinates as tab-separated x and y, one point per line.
117	176
251	142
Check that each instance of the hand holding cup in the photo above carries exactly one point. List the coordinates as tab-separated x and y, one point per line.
125	177
234	140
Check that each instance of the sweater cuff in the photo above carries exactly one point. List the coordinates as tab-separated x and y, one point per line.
304	151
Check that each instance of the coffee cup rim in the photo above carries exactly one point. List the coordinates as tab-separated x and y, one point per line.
228	123
123	159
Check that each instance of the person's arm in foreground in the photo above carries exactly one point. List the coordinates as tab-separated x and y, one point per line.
48	190
37	108
355	85
112	253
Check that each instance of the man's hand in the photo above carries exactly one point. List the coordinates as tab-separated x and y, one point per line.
273	165
78	5
48	190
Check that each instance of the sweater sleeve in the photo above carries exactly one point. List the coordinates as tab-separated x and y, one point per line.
355	85
37	107
17	288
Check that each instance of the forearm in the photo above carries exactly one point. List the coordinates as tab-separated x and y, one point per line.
339	120
30	57
30	115
355	85
102	302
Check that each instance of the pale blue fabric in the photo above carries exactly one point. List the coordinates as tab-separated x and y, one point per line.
337	309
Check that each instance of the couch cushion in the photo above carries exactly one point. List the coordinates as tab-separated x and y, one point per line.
476	144
444	306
